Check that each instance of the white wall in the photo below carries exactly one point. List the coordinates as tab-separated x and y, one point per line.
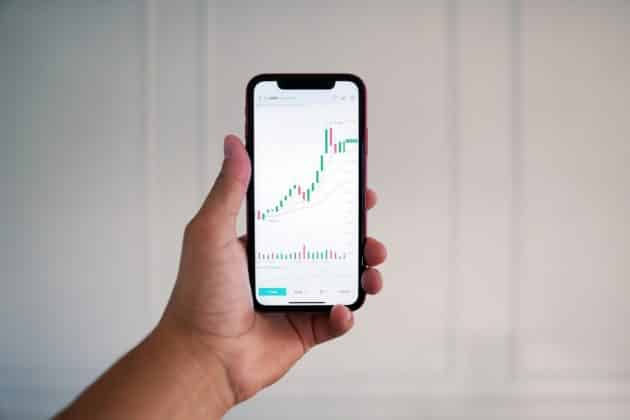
498	143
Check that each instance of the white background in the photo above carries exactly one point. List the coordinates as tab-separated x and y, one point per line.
498	144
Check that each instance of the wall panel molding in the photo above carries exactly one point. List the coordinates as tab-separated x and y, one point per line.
516	187
176	124
481	174
150	161
568	130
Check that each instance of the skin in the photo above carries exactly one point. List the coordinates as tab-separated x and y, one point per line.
211	350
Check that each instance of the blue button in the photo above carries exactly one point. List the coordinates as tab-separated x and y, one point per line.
272	291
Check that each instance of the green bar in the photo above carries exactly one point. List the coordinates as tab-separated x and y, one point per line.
326	140
280	203
308	195
321	163
290	193
285	198
313	186
276	209
263	216
316	176
352	141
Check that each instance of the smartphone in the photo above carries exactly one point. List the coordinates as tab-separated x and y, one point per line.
306	137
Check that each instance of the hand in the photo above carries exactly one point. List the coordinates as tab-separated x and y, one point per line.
212	304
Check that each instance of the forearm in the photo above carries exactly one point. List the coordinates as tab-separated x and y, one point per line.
164	377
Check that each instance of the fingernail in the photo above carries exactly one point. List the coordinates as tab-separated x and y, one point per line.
228	148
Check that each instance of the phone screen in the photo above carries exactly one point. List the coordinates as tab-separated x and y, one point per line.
306	194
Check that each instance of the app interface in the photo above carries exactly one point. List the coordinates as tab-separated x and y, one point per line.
306	199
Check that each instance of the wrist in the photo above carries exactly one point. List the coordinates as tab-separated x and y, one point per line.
198	371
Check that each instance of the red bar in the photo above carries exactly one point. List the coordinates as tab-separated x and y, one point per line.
304	251
299	190
335	254
303	196
258	214
335	147
330	135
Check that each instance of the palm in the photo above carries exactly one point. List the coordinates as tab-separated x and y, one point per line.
281	338
216	300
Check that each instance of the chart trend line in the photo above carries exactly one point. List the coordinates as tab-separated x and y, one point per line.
305	193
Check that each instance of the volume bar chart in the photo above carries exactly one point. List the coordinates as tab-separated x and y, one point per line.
303	254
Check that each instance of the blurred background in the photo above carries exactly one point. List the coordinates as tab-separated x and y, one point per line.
499	142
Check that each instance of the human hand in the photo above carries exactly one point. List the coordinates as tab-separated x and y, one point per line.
211	304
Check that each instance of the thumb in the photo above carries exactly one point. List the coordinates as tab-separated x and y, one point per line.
221	207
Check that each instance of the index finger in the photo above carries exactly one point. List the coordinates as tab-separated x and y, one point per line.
370	198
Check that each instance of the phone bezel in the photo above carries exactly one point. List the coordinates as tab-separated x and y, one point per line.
304	81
